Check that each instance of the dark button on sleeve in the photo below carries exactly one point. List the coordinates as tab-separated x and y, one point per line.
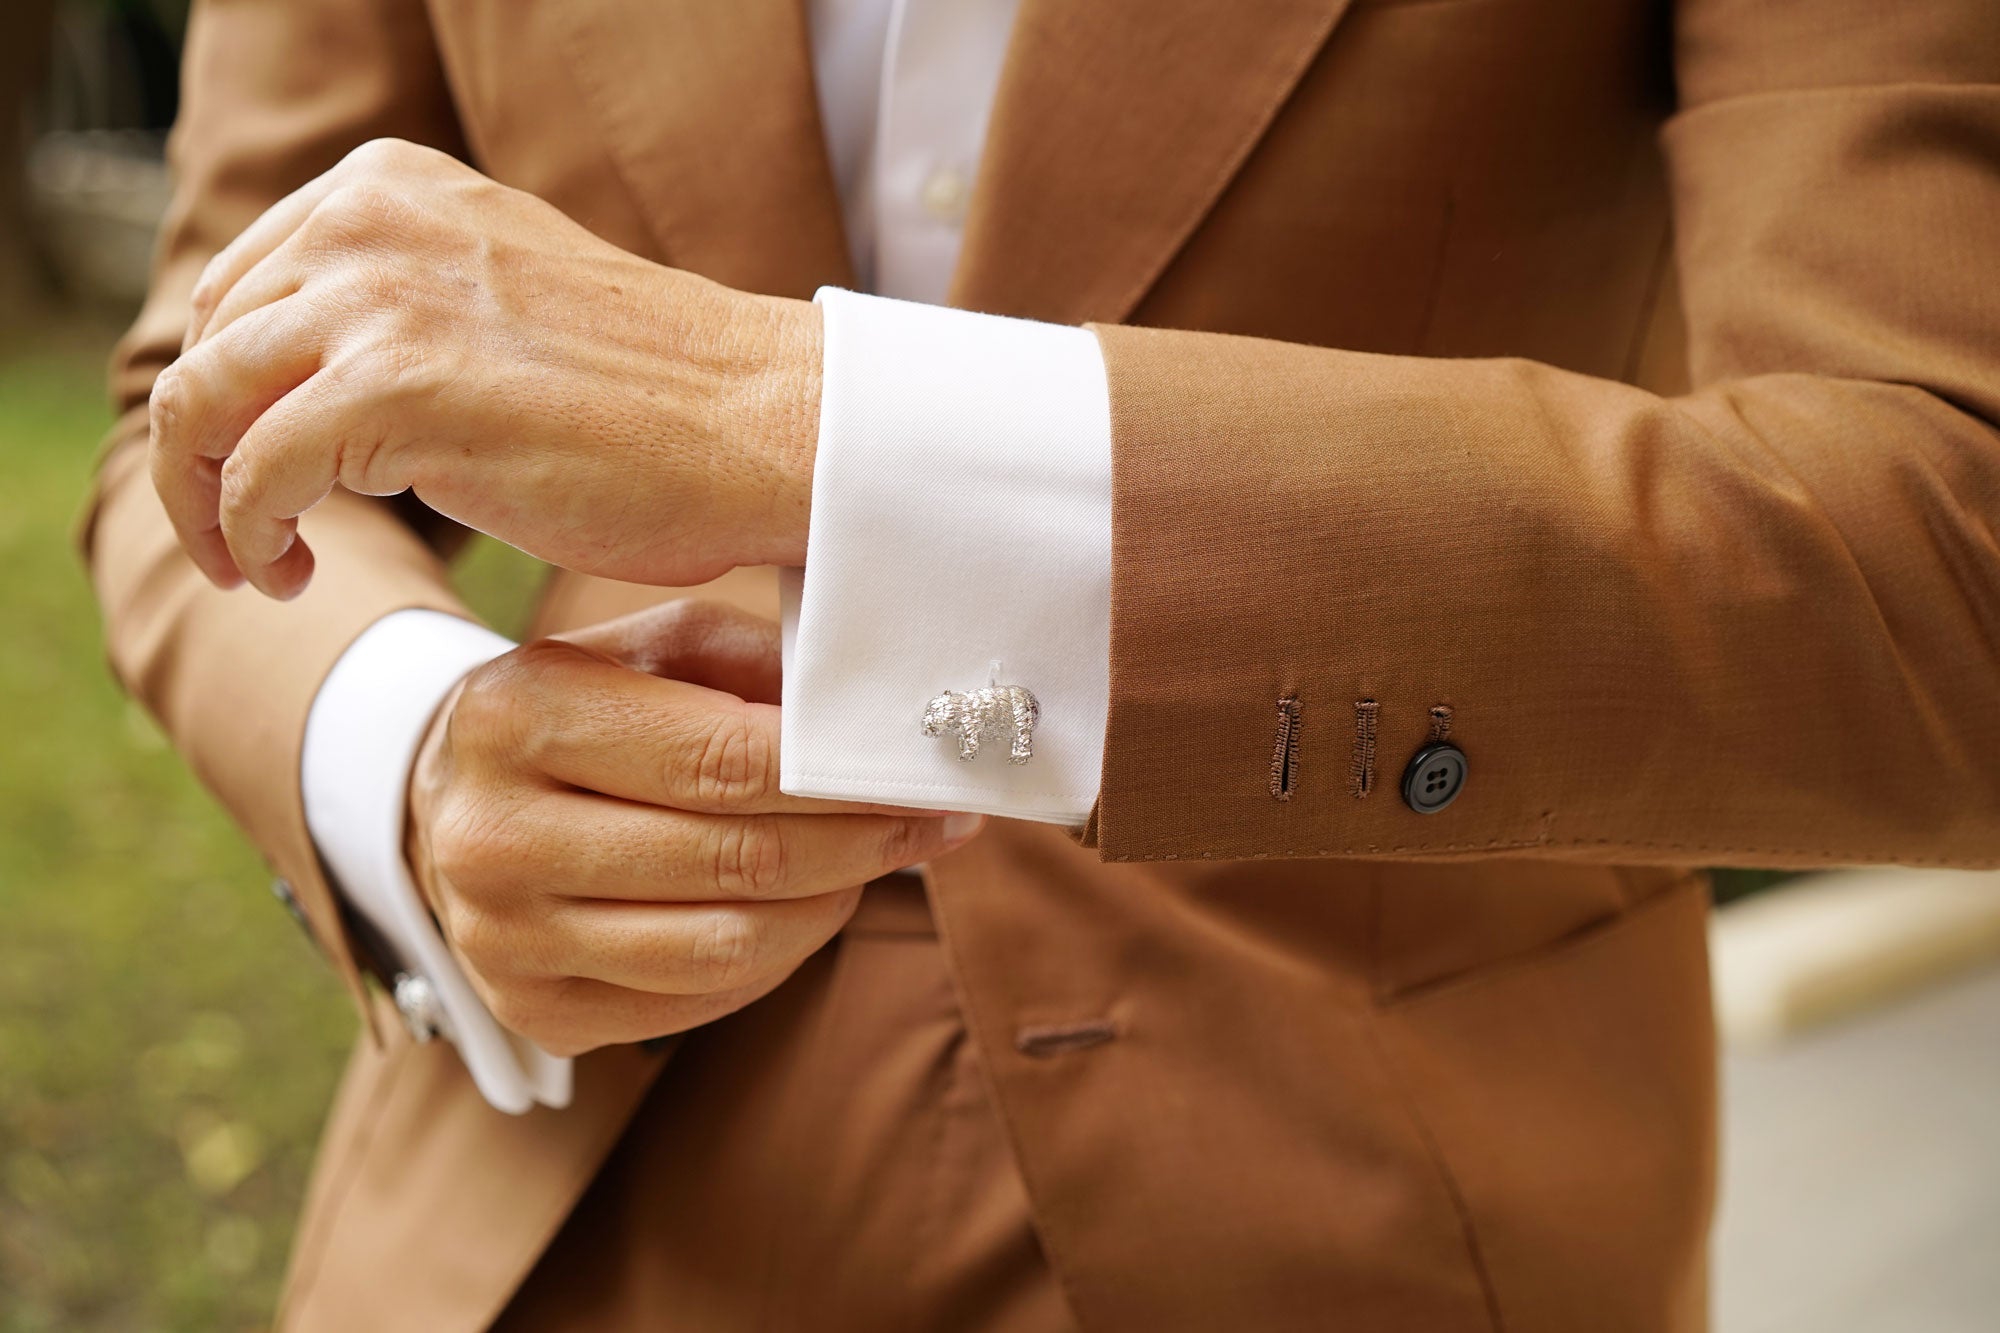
1434	779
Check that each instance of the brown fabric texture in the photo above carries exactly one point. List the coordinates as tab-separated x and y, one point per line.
1618	374
828	1158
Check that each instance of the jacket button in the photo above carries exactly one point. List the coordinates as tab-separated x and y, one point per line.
1434	779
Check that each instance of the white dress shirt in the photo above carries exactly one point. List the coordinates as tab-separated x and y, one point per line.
961	516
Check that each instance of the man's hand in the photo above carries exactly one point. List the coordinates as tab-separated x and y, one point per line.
403	322
597	824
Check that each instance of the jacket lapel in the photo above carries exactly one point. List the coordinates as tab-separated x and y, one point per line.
710	113
1117	125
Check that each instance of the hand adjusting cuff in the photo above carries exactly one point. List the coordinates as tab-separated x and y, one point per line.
362	736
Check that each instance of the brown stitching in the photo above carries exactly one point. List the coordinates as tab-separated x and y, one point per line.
1377	849
1361	773
1285	752
1718	854
1440	722
1046	1041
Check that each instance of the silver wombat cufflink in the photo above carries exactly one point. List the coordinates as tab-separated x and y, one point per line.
998	712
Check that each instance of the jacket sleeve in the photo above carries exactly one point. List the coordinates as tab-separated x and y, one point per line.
1757	623
275	92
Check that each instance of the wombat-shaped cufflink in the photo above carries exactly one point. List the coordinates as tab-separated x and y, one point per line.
998	712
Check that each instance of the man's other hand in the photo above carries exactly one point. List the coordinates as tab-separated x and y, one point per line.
596	822
404	322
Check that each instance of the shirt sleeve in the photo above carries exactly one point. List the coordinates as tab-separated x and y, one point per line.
362	736
961	518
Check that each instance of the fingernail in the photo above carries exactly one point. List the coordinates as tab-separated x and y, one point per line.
959	827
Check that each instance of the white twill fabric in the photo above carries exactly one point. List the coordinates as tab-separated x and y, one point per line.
961	512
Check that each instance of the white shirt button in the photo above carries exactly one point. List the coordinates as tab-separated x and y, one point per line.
946	194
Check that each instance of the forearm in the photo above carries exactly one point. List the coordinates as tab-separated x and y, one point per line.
1752	625
232	676
274	93
1756	622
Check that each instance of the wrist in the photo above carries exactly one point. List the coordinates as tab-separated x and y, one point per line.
784	407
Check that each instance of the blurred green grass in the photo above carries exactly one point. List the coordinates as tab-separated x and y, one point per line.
168	1039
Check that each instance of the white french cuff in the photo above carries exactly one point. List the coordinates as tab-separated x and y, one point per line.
961	516
362	736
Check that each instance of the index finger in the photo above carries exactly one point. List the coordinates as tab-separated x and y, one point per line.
252	244
620	732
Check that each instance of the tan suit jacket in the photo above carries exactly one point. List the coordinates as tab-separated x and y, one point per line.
1621	379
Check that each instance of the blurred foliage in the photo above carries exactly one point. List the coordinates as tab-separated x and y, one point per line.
1733	884
500	583
169	1041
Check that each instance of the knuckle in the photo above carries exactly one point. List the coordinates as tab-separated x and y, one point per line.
750	858
479	935
168	404
239	480
352	206
453	855
539	655
474	849
484	699
736	762
362	461
371	201
524	1009
509	702
907	841
351	216
202	300
722	952
380	155
496	707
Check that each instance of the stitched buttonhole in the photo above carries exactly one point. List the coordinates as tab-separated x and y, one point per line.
1042	1042
1285	752
1361	770
1440	722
